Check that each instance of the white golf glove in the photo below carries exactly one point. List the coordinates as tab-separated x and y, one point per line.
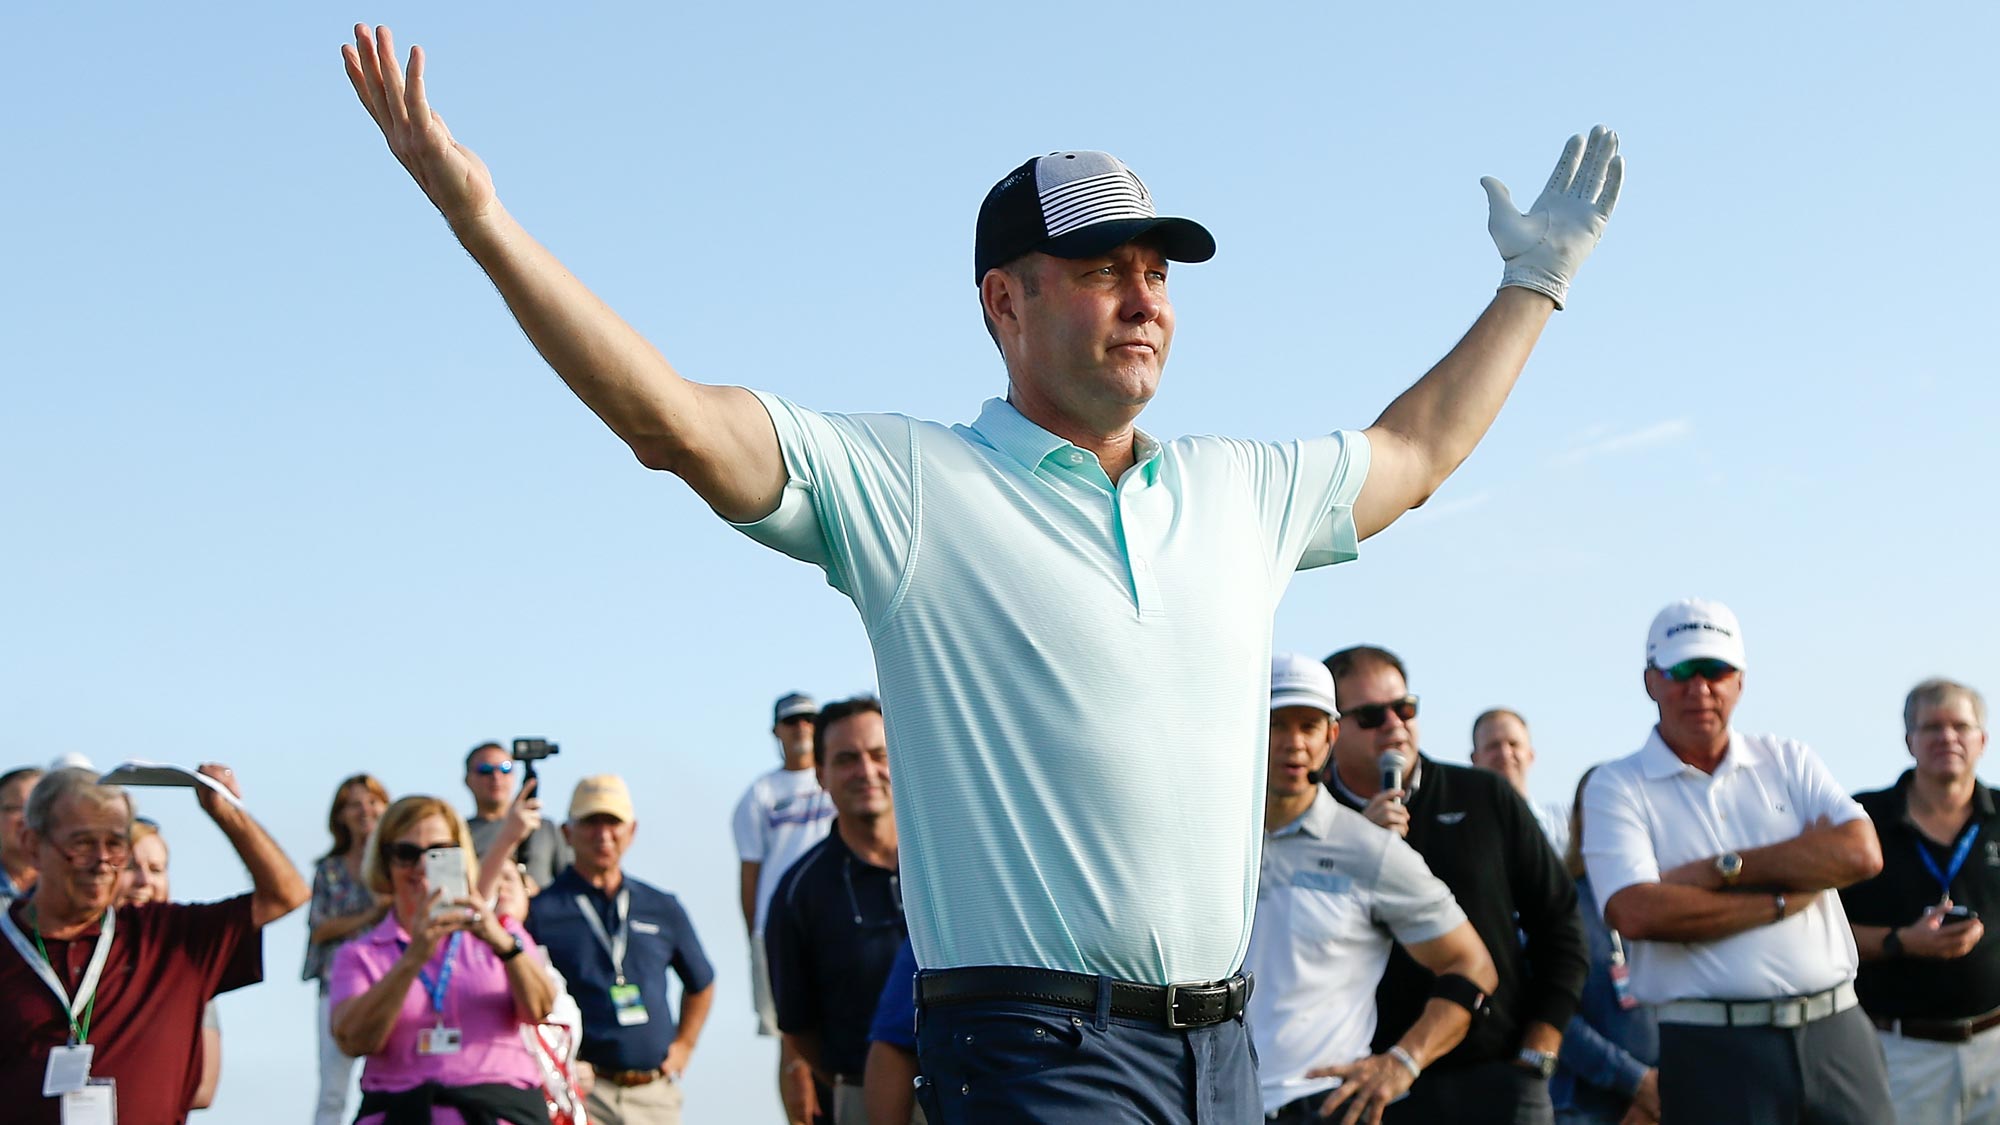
1544	247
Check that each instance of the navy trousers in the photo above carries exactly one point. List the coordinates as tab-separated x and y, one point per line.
1016	1062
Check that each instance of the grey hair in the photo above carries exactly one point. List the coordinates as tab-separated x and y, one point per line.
1935	692
57	784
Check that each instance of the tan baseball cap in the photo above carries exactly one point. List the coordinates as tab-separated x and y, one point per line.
605	794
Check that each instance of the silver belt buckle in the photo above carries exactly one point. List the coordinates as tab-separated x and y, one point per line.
1173	1008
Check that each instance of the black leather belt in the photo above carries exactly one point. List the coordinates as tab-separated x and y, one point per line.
1173	1005
1941	1031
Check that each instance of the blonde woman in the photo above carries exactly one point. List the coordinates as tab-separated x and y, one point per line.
342	906
435	995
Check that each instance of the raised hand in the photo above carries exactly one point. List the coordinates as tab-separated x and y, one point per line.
1544	247
454	178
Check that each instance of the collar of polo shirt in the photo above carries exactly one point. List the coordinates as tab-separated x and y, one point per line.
1661	761
1010	432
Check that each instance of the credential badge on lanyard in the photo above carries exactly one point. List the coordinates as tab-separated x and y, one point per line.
439	1039
69	1063
625	1001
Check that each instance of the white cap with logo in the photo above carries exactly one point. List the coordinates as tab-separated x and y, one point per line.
1298	680
1694	629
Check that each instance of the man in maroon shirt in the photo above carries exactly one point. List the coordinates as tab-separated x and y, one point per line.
163	963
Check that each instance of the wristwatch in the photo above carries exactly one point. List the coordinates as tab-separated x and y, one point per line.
514	952
1538	1062
1729	865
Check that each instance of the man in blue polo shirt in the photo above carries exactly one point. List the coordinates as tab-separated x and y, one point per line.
613	939
836	918
1071	618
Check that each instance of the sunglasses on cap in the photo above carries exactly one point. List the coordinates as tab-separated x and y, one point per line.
1708	668
1370	716
409	855
488	769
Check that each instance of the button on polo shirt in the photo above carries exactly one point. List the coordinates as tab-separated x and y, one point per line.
1649	812
662	939
1074	671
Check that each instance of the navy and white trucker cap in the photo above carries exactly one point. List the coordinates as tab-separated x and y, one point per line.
1076	205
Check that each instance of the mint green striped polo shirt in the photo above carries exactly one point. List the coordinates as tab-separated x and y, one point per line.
1075	673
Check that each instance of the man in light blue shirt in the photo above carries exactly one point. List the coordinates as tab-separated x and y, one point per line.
1071	619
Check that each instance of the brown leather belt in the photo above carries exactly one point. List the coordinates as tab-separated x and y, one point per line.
629	1078
1940	1031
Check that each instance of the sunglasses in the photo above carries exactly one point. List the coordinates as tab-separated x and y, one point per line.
1707	668
409	855
1370	716
488	769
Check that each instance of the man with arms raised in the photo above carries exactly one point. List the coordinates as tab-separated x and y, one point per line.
1929	978
1479	837
1054	873
17	862
100	1009
1335	894
1711	852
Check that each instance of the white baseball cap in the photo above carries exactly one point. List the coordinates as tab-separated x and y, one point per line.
1297	680
1695	629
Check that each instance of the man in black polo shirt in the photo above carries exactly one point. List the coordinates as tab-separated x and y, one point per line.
836	919
1479	837
614	939
1929	979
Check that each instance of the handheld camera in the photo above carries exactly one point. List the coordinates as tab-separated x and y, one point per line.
528	751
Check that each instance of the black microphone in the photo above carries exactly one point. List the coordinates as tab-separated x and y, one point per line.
1392	770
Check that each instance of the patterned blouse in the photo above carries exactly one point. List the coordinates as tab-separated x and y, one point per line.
335	895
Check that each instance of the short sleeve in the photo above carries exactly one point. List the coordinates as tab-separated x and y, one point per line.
352	974
895	1020
849	504
1412	902
1617	847
748	827
1816	792
1305	492
690	962
221	939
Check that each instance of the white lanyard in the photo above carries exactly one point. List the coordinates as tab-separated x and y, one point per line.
47	972
613	945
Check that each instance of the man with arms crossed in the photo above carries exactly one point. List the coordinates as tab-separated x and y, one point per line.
1478	837
1711	852
1930	980
781	816
1057	880
1335	894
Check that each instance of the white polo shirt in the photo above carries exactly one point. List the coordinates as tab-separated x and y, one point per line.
1651	811
1334	889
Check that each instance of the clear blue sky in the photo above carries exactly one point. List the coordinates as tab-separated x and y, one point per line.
281	484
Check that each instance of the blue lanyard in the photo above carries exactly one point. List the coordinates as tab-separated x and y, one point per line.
1958	855
437	990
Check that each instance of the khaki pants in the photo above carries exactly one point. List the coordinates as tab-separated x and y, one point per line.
849	1108
656	1103
760	989
1944	1083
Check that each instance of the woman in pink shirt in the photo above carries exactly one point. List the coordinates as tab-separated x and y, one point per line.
436	994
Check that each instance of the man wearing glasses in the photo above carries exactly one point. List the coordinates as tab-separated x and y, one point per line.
489	773
1711	852
1478	836
100	1008
836	919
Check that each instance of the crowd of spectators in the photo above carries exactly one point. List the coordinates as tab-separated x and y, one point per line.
1711	930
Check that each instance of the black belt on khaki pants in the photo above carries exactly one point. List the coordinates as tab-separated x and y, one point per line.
1940	1031
1172	1005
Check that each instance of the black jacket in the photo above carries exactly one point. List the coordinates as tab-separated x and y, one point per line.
1481	839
